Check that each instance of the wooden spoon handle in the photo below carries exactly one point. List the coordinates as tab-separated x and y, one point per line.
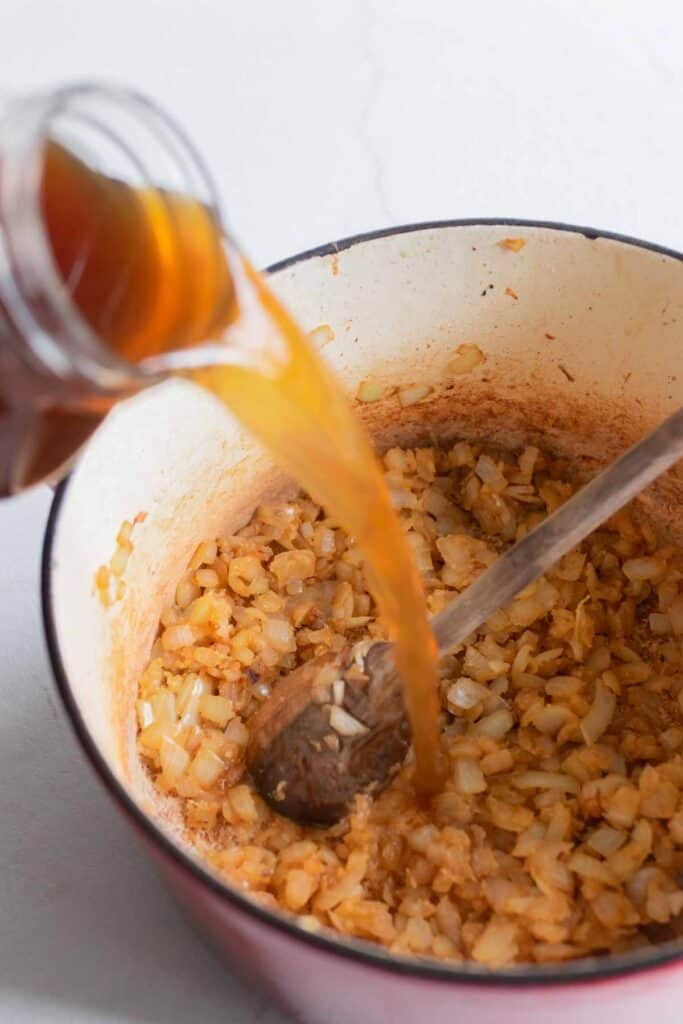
530	557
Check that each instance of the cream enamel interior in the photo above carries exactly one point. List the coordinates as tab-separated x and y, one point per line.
584	359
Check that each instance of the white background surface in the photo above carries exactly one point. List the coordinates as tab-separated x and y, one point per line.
319	120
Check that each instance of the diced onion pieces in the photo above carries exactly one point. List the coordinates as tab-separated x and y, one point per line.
414	394
545	780
216	709
175	637
109	581
467	357
321	335
465	694
174	759
344	723
589	867
237	732
279	633
299	888
605	840
556	832
601	713
637	569
468	777
497	944
370	390
145	713
496	725
207	767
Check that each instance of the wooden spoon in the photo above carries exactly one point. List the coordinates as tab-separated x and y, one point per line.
337	725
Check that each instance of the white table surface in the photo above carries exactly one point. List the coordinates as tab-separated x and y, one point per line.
319	120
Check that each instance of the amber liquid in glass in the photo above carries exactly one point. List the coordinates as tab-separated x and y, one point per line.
151	272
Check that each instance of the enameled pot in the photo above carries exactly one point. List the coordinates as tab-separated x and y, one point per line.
581	337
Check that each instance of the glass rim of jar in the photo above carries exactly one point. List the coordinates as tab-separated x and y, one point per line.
35	295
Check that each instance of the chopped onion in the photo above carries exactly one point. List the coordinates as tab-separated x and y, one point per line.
435	502
207	767
175	637
119	561
550	718
299	888
242	805
153	736
564	686
637	885
414	394
279	634
216	709
344	723
188	699
145	713
468	776
495	725
174	759
599	660
401	497
421	552
594	724
637	569
467	357
497	944
462	453
500	686
545	780
529	839
325	543
321	335
237	732
589	867
205	554
465	693
548	656
206	578
642	834
164	706
634	672
186	592
488	472
560	824
605	840
370	391
526	462
338	688
616	761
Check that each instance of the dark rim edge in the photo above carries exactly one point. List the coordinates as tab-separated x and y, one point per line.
592	234
593	970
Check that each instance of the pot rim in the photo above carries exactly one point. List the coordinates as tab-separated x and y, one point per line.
524	976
